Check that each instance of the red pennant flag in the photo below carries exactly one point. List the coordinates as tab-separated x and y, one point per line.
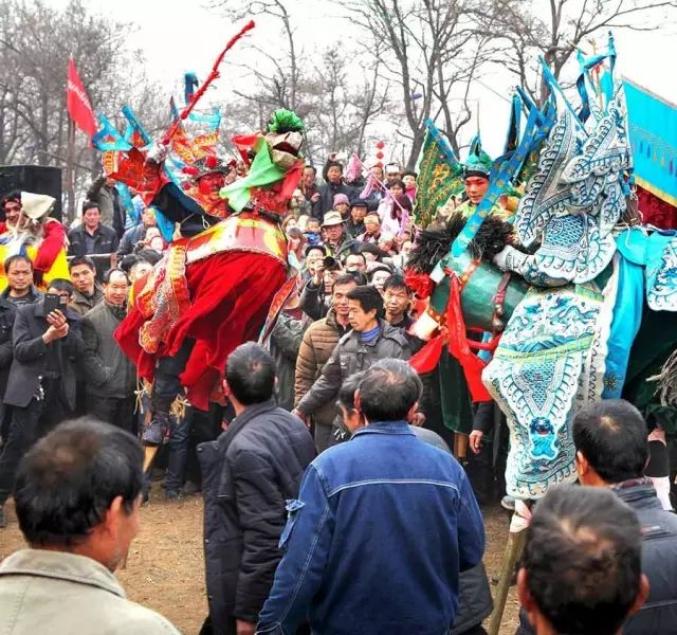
77	102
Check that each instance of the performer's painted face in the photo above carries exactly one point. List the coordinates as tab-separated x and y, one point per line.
211	183
476	187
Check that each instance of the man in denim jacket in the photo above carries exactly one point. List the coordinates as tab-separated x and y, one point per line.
383	525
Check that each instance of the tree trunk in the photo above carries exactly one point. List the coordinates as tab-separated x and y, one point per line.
416	146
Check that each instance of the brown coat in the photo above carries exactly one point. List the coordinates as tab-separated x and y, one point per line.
318	343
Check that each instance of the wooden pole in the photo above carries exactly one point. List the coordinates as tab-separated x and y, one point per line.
461	446
70	172
513	551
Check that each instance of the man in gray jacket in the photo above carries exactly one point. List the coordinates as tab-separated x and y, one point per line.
110	377
370	340
78	496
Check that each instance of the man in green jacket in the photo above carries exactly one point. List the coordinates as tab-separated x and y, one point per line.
78	496
110	378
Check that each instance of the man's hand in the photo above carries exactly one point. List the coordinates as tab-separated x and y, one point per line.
300	415
315	197
245	628
475	440
418	419
58	327
56	318
318	276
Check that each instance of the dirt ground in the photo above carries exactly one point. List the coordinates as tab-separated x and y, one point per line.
165	569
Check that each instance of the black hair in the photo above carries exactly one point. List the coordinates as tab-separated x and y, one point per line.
87	205
396	281
359	202
81	260
388	390
395	183
109	272
61	284
410	173
381	266
321	248
128	261
346	395
250	373
368	297
404	202
295	232
150	255
69	478
344	278
371	248
611	434
358	277
137	261
312	167
352	253
583	559
14	195
16	258
331	164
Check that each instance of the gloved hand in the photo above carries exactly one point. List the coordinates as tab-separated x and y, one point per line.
510	259
156	152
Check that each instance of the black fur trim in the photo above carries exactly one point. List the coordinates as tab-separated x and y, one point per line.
433	244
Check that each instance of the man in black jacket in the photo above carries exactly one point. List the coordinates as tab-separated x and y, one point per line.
334	184
19	291
93	238
7	315
370	340
41	384
104	193
611	452
248	474
86	292
135	235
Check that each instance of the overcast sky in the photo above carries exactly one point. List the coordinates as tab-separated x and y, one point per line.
182	35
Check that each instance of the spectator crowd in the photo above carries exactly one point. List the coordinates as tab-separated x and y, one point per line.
333	503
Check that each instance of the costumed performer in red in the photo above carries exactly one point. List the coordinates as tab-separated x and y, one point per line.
27	229
212	290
